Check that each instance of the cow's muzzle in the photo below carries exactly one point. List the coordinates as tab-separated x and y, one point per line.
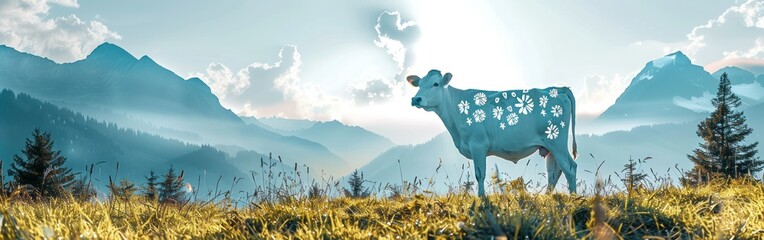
415	101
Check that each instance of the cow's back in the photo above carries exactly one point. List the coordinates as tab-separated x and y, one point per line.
510	122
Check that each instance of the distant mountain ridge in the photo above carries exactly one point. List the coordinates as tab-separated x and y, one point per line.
650	96
111	84
671	89
356	145
85	141
113	78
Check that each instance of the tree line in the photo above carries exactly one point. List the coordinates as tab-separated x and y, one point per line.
39	174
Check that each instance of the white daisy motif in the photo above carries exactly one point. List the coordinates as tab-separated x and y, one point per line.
556	110
525	104
553	93
542	101
497	100
512	119
504	94
562	124
469	121
497	112
502	126
464	107
543	112
509	108
514	94
479	115
480	99
552	132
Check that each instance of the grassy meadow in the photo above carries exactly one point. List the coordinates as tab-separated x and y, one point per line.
720	210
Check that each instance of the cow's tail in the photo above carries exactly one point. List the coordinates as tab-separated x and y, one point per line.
572	120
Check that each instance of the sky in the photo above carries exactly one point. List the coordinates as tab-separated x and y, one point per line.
346	60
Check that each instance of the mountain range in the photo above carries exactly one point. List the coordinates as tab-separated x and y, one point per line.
113	107
112	85
671	89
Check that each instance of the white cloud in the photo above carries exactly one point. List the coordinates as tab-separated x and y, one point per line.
754	52
66	3
270	89
25	25
396	36
375	90
600	92
722	37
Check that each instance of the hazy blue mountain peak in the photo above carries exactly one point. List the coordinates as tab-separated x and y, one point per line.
109	51
736	75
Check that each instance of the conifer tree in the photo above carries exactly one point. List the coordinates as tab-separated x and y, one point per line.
357	190
723	152
171	188
150	190
633	179
42	172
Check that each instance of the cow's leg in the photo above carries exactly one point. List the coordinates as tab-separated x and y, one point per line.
566	164
478	157
553	172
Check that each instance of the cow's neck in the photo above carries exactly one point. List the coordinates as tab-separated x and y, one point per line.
449	99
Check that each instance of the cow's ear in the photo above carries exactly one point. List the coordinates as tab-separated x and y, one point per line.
414	80
447	78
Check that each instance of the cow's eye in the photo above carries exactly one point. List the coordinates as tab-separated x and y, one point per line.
435	84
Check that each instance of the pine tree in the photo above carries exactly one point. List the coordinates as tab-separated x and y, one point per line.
42	171
633	179
171	188
357	190
723	152
150	190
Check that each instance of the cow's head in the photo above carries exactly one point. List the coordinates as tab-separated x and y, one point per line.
432	89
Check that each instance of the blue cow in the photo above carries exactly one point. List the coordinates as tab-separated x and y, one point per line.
508	124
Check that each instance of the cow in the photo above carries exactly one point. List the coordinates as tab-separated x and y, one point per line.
508	124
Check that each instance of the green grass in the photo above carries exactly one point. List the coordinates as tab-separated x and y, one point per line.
719	210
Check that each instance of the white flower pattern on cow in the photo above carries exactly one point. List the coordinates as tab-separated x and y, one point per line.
553	93
469	122
502	126
525	104
552	131
543	100
464	107
480	99
557	110
478	115
497	112
512	119
543	112
562	124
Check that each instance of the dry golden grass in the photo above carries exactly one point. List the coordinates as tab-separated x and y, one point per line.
720	210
